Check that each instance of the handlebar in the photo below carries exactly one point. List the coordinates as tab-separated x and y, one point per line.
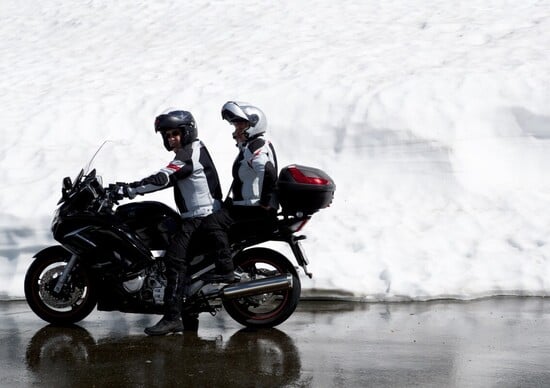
112	192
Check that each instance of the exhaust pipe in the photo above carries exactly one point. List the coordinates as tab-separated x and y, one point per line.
259	286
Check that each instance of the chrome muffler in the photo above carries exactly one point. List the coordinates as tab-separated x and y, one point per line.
258	286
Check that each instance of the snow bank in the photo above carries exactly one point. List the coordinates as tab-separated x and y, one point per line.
433	120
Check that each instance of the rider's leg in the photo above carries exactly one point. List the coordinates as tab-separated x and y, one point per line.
215	229
176	271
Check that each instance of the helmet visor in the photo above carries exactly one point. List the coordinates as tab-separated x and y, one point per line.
166	122
233	112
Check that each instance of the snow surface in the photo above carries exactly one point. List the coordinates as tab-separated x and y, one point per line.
432	116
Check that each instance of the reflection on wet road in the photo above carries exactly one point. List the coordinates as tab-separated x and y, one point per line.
268	358
490	342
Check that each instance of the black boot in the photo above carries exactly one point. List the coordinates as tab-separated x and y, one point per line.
165	326
173	294
227	277
224	272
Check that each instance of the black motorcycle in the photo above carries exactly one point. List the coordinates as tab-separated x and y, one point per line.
111	256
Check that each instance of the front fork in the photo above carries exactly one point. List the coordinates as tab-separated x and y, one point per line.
65	274
299	253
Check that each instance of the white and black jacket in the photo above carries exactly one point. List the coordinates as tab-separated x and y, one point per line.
255	174
192	173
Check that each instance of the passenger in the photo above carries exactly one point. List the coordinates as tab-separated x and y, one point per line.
253	188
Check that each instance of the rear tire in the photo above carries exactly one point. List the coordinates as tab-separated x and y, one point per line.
268	309
76	300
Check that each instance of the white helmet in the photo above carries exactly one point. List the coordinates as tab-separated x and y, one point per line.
233	111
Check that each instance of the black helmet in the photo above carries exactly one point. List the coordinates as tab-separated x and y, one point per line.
177	119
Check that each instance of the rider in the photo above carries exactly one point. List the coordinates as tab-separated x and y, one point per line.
253	201
197	193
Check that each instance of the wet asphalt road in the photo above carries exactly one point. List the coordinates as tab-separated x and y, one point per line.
498	342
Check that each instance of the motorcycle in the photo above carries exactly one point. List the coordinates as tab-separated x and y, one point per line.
110	255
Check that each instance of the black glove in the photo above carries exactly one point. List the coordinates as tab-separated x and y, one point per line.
125	190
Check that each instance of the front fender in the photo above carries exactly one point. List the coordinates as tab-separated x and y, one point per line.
53	250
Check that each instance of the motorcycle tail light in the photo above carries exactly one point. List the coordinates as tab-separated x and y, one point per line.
300	177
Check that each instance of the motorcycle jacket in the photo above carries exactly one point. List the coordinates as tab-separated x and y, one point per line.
255	174
197	190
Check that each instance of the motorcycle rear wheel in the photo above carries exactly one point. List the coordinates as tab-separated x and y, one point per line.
268	309
76	300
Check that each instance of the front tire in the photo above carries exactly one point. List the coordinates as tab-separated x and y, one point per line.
76	300
268	309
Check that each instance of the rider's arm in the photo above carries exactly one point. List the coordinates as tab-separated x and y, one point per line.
165	177
267	174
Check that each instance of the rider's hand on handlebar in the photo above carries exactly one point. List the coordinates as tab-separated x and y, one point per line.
112	191
125	190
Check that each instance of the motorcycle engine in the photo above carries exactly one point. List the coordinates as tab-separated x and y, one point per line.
153	290
150	285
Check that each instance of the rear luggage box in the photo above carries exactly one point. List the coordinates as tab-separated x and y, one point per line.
304	189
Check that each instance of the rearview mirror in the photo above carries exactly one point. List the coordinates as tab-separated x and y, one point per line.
67	183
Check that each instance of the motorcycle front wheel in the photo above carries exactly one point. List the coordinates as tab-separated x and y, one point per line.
74	302
268	309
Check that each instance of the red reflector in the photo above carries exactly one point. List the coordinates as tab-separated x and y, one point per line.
298	225
300	177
